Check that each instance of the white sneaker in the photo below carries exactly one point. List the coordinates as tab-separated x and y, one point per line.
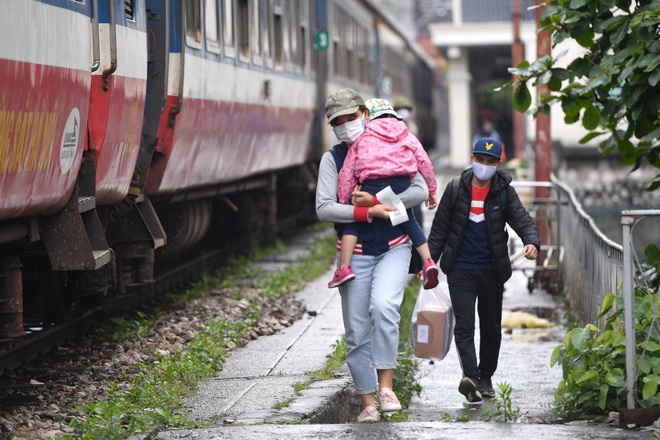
388	401
369	414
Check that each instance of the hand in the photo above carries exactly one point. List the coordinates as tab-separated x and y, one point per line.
361	198
381	211
432	202
529	251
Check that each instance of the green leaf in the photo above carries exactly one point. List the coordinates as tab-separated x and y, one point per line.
591	118
654	78
522	99
602	396
650	390
590	136
580	338
588	375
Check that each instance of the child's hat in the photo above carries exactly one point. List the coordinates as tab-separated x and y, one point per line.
379	107
489	146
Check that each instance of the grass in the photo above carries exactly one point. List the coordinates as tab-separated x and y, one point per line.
152	397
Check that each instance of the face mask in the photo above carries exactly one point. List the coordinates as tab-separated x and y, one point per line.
483	172
349	131
404	113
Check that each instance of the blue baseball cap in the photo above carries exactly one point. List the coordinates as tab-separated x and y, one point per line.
489	146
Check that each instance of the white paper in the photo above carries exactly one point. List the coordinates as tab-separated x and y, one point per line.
423	334
387	197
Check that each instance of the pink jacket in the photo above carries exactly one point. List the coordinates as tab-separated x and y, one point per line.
385	149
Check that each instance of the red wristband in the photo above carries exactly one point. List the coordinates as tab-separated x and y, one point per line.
374	201
361	214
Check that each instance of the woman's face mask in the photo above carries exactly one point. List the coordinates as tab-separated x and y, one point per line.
483	172
349	131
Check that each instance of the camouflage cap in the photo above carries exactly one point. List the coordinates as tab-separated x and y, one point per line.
402	102
342	102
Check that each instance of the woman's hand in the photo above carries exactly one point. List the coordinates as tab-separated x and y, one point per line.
381	211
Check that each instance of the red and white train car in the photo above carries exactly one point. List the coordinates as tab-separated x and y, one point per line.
128	126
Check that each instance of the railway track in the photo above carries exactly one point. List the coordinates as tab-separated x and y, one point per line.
40	338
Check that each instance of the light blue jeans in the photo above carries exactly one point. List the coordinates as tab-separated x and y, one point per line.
370	307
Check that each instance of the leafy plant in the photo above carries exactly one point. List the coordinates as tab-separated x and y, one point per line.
613	87
405	384
593	360
504	410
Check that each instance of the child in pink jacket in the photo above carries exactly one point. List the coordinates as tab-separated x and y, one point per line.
386	154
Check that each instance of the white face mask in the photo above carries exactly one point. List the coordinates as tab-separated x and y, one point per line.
404	113
349	131
483	172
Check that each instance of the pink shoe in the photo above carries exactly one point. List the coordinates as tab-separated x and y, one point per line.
388	401
369	414
341	277
430	273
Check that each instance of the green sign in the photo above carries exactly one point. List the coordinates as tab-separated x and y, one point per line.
322	40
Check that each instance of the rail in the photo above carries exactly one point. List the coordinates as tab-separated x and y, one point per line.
592	263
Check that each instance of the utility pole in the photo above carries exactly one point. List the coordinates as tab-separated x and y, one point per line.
517	57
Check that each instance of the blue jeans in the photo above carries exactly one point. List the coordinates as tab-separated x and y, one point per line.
370	307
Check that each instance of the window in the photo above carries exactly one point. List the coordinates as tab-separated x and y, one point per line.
193	23
255	31
303	35
129	9
211	24
243	18
278	35
294	14
265	29
228	27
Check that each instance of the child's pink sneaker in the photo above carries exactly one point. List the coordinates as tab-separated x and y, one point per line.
430	274
342	276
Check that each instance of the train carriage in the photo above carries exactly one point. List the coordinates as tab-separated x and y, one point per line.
132	131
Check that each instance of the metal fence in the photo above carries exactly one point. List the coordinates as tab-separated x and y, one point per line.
592	264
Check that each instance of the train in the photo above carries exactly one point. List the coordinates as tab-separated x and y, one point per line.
131	131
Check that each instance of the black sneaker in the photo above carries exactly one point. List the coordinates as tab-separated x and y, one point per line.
486	387
468	388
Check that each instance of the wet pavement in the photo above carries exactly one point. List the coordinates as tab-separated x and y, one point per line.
254	396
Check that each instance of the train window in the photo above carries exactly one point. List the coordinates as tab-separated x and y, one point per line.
351	29
303	35
336	42
278	35
243	21
228	27
293	32
266	28
193	24
211	24
255	28
129	9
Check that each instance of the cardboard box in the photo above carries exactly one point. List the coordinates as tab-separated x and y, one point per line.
434	331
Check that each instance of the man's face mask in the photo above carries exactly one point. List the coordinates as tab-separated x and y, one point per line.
483	172
349	131
404	113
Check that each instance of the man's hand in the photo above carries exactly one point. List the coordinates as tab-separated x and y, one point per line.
381	211
529	251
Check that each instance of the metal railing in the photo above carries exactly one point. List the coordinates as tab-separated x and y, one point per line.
592	264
